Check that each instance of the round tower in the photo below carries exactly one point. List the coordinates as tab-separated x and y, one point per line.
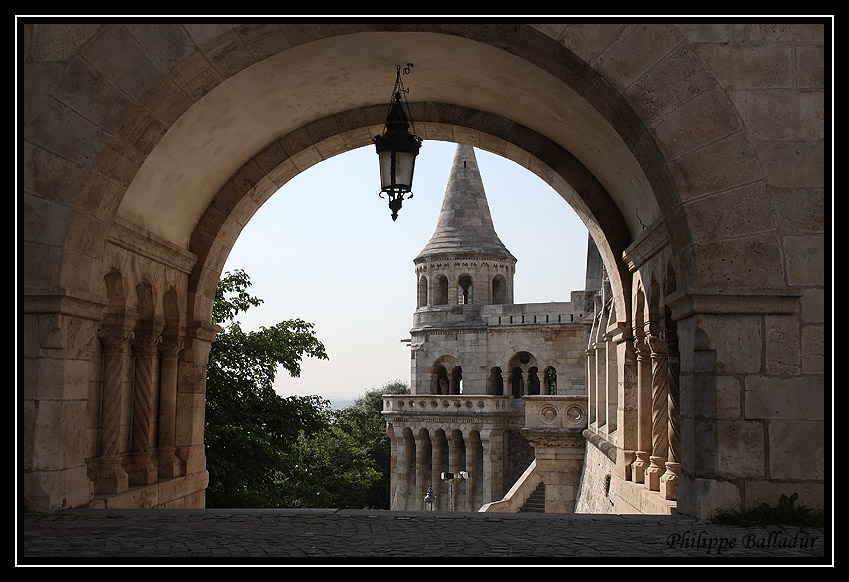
464	263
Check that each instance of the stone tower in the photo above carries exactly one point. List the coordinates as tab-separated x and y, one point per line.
476	358
463	267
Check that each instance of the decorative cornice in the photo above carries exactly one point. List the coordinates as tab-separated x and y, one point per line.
64	301
649	243
733	300
128	236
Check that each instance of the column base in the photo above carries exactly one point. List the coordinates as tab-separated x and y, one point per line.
654	472
142	470
168	465
669	481
639	466
628	458
111	477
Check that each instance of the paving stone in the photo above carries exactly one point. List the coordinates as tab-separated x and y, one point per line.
324	537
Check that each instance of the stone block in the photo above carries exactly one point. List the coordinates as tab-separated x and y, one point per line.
784	398
633	52
716	397
753	213
727	449
797	449
700	121
793	164
782	345
810	66
750	66
811	495
805	257
721	165
813	349
799	209
780	114
737	348
813	306
753	261
703	497
671	82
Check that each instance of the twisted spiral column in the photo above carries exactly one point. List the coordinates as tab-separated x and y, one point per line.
660	414
669	480
111	477
143	471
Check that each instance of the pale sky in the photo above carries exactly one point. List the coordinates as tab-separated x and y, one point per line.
324	249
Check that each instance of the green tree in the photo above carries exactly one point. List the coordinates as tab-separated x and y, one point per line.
251	431
349	464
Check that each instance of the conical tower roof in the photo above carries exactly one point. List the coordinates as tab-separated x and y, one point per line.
465	223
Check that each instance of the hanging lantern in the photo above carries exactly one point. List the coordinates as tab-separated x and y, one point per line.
397	149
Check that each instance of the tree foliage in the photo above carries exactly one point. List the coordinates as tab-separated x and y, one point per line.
264	450
250	429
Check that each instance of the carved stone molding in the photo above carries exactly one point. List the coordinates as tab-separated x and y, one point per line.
733	300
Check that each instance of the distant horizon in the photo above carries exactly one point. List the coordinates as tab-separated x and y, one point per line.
325	249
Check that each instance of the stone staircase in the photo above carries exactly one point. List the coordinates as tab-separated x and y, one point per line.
536	502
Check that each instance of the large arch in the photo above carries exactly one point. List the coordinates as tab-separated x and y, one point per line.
162	140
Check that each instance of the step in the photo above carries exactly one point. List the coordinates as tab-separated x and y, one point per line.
536	502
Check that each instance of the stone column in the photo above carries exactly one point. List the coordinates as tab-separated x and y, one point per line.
168	463
641	460
191	406
473	483
559	455
142	470
393	465
601	384
659	413
506	386
612	382
456	460
437	452
111	477
669	480
423	454
626	411
405	453
591	388
492	445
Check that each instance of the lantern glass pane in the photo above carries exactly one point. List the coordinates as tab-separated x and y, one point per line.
385	161
404	164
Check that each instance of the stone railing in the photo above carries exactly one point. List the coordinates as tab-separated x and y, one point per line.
530	314
555	412
445	404
518	494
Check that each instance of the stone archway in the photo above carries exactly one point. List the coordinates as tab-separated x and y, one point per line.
153	162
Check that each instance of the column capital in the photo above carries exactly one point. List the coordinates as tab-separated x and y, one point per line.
657	345
115	337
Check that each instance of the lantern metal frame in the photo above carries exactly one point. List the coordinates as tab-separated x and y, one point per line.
397	147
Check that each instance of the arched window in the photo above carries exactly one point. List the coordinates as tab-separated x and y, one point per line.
441	290
517	383
499	290
464	290
551	381
457	380
495	382
441	383
422	291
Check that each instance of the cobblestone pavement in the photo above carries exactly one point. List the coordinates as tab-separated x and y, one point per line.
376	538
